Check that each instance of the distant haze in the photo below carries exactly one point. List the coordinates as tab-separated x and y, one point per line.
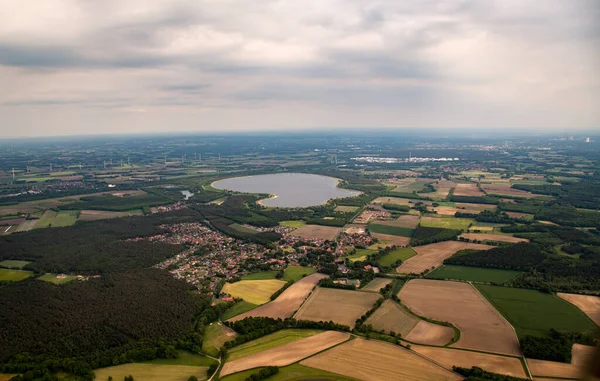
104	67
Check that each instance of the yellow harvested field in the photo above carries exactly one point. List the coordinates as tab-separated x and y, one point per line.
390	317
317	231
6	376
433	255
286	303
386	240
582	355
253	291
431	334
286	354
589	304
467	190
376	284
378	361
151	372
493	237
510	366
339	306
482	327
542	368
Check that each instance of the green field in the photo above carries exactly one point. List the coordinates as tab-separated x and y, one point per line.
399	254
361	254
151	372
473	274
532	312
184	358
237	309
296	273
14	275
51	218
273	340
392	230
294	372
292	224
263	275
10	264
215	336
447	223
53	279
346	209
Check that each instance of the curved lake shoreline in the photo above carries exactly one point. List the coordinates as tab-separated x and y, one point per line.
288	190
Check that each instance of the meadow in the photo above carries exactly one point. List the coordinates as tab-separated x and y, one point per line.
532	312
446	222
293	224
296	273
263	275
11	264
391	230
399	254
14	275
52	278
473	274
51	218
151	372
270	341
237	309
215	335
361	254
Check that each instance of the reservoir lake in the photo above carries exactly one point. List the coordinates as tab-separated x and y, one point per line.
291	190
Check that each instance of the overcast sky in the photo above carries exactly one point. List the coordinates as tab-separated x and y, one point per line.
115	66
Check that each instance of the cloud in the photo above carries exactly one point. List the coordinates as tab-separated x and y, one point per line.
291	64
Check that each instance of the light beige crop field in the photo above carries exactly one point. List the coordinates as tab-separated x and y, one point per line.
481	326
376	284
286	303
378	361
467	190
151	372
493	237
589	304
253	291
287	354
543	368
433	255
390	240
431	334
582	355
510	366
506	190
339	306
390	317
317	231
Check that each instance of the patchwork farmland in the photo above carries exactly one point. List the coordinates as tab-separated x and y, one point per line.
481	326
433	255
339	306
289	301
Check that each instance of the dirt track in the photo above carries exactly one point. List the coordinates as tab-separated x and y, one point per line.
433	255
481	326
286	354
288	302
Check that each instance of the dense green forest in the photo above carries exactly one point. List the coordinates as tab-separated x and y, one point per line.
95	247
520	257
424	235
132	316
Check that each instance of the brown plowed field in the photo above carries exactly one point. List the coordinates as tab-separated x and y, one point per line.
543	368
406	221
510	366
377	361
391	240
339	306
376	284
286	303
590	305
317	231
493	237
481	326
582	354
391	317
467	190
286	354
431	334
433	255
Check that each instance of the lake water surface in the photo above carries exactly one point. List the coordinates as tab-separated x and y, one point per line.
293	190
